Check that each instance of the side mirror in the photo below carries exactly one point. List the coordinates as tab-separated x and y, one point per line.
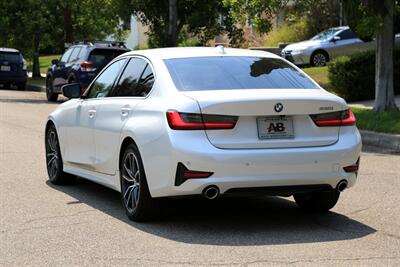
72	90
54	61
335	38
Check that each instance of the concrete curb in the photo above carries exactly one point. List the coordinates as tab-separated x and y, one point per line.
382	140
35	87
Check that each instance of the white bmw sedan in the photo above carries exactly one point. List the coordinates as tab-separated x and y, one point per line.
204	121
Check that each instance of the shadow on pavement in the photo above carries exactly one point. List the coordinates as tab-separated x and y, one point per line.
229	221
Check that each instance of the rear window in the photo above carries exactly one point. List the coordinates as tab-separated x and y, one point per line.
10	57
101	57
221	73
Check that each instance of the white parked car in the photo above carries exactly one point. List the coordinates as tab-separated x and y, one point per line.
204	121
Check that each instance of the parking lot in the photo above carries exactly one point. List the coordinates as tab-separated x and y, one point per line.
84	223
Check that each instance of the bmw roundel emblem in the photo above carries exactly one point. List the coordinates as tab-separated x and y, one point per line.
278	107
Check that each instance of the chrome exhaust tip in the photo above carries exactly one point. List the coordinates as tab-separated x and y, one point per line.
211	192
341	186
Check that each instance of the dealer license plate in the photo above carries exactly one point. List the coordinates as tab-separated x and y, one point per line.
275	127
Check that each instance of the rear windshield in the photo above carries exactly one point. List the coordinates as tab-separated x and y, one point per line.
221	73
10	57
101	57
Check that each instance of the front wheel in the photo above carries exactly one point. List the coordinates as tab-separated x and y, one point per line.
53	159
318	201
136	198
319	59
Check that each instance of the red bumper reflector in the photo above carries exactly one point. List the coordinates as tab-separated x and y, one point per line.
352	168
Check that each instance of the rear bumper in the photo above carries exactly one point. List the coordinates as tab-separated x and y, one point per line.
253	168
13	77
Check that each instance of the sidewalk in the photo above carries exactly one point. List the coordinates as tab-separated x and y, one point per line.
370	103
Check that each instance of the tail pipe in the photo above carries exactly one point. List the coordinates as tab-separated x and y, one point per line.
341	186
211	192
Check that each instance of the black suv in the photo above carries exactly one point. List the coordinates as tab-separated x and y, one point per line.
12	68
80	64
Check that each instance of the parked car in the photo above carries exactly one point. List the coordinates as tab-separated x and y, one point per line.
80	64
12	68
327	45
202	121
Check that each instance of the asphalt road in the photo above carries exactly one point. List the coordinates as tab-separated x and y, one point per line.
84	224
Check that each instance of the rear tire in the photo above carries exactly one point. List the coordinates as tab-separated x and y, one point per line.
135	194
318	201
21	86
51	96
54	161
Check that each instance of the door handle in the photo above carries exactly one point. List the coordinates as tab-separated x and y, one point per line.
92	113
125	111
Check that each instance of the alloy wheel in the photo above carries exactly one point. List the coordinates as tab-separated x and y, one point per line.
52	154
130	181
319	60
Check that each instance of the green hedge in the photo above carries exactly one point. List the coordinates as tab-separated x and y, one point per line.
353	78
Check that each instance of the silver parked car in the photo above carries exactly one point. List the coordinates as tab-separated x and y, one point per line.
327	45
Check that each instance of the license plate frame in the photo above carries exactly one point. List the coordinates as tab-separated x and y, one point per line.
270	127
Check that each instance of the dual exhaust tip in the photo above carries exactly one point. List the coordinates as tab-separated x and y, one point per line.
341	186
211	192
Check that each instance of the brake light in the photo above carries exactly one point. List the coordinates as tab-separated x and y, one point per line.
193	121
87	66
352	168
337	118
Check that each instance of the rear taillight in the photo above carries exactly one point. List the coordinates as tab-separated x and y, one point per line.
87	66
337	118
194	121
24	65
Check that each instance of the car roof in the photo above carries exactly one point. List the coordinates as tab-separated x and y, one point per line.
186	52
11	50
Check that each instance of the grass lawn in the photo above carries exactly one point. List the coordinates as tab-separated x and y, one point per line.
44	62
385	122
320	75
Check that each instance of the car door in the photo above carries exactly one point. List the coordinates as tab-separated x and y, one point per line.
81	142
61	69
132	87
346	44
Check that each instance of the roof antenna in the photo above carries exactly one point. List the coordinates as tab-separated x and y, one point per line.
220	49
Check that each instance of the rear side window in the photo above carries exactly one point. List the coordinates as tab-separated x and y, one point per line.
74	54
347	34
10	57
101	57
228	72
66	55
136	80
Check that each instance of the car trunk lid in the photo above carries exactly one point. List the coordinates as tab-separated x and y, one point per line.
260	119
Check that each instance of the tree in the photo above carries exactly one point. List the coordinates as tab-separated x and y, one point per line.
168	19
31	25
259	12
376	18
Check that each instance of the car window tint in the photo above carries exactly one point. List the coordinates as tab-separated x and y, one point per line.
127	84
105	81
74	54
66	55
146	82
228	72
101	57
347	34
10	57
